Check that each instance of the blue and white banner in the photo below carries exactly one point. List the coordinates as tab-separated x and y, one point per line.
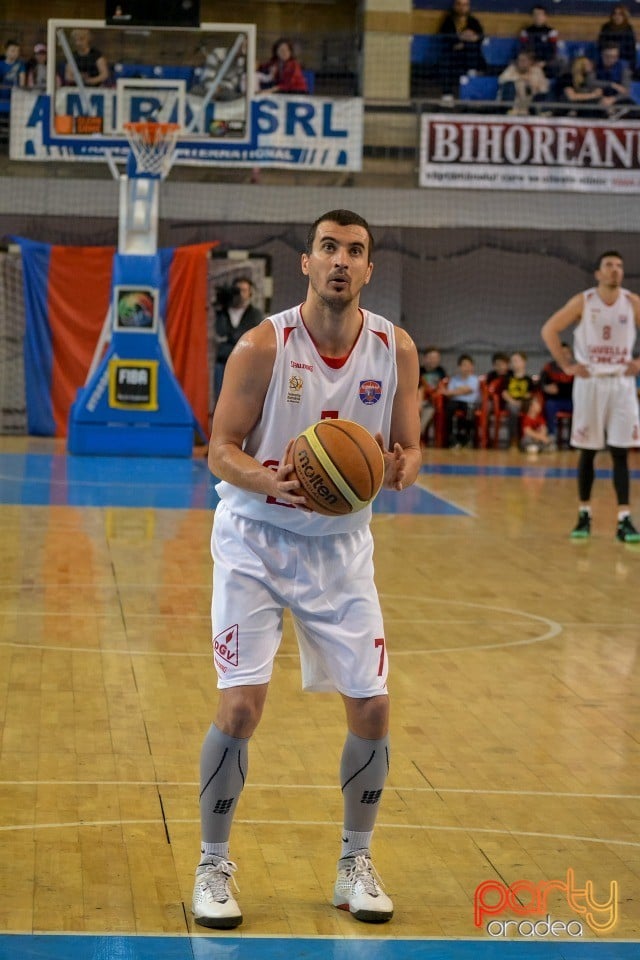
317	133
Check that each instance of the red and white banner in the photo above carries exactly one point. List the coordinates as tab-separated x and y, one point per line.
529	153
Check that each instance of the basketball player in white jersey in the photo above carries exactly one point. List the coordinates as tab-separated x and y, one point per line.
325	358
605	402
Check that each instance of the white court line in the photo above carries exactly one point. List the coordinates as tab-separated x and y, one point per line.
397	788
553	629
69	825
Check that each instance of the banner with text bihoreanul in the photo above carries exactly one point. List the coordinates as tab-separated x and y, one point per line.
529	153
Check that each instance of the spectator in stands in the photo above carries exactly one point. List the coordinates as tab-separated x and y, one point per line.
463	396
462	36
432	373
557	389
618	30
517	391
614	77
12	70
522	83
37	68
541	40
535	435
582	88
235	314
91	63
499	369
283	72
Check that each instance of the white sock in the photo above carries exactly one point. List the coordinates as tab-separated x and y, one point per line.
352	841
622	514
214	850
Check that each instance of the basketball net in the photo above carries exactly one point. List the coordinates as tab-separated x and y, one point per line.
153	146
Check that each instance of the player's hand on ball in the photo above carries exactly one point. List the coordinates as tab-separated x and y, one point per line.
395	465
287	483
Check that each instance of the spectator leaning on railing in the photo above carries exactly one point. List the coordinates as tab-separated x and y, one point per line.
522	83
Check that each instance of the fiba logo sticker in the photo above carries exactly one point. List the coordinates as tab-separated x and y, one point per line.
370	391
225	648
530	900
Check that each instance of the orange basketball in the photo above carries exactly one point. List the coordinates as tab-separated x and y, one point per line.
339	465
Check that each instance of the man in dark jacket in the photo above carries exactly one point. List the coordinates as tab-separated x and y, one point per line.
235	314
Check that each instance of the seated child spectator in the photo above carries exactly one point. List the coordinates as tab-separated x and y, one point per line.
522	83
557	389
518	390
542	42
617	30
432	373
12	69
283	72
37	68
535	436
499	369
463	395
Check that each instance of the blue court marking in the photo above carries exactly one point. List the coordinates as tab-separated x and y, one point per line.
83	947
42	479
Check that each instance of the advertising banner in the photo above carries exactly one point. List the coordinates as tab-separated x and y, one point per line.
529	153
317	133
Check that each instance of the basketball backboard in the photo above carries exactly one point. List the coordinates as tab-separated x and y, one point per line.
201	78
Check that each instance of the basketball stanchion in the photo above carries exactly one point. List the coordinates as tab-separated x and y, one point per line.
131	402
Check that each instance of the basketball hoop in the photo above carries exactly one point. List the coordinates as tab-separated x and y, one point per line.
153	146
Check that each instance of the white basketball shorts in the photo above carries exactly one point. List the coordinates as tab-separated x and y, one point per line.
327	584
605	411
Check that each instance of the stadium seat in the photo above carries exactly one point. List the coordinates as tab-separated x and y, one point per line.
499	51
635	91
578	48
174	73
310	77
425	49
137	71
478	88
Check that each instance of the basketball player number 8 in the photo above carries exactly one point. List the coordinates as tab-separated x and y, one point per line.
379	642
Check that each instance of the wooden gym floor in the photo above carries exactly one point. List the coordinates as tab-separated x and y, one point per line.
515	683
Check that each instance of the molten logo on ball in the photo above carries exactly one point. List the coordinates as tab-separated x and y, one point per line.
314	481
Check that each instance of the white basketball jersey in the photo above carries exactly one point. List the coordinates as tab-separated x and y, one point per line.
605	335
304	388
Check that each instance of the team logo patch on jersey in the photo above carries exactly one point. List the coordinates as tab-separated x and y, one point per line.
622	318
294	393
225	647
370	391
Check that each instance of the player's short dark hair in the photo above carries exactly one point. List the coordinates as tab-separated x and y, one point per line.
464	356
608	253
345	218
500	355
